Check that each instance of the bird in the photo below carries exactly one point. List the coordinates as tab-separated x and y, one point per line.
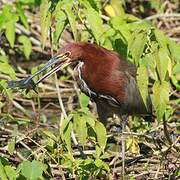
108	79
103	75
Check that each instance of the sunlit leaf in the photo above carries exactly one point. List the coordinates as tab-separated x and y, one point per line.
6	68
11	145
2	172
45	17
32	170
81	128
160	97
66	129
83	99
132	144
10	32
174	50
27	46
136	44
22	15
71	18
101	134
119	24
109	10
142	81
50	134
61	21
95	22
11	173
162	61
67	135
118	8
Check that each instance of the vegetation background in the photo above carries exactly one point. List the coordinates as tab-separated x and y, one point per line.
36	129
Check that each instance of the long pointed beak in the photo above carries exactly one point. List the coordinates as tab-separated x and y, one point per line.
56	62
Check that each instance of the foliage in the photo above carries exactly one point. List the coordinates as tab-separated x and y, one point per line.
156	57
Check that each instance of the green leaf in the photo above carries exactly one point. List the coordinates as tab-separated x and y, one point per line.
71	18
66	129
101	134
2	172
45	17
136	44
118	8
160	98
84	100
6	68
50	135
11	173
32	170
27	46
95	22
11	145
10	32
67	135
119	24
61	21
80	127
22	15
162	61
174	51
142	81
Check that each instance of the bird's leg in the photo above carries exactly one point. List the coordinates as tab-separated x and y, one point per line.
123	142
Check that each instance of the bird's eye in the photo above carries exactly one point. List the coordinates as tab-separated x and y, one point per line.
67	54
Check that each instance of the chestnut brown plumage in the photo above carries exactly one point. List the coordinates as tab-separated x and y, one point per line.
108	79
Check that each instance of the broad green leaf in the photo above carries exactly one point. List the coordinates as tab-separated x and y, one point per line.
45	17
27	46
32	170
67	135
84	100
66	129
118	8
2	172
109	10
11	145
174	51
66	122
10	32
160	97
142	81
101	134
90	120
6	68
162	39
71	18
22	15
10	172
136	44
95	22
81	128
162	62
176	69
61	21
119	24
50	134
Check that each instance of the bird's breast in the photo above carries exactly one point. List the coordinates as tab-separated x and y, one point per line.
85	84
81	81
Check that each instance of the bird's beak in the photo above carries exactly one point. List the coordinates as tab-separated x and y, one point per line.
55	63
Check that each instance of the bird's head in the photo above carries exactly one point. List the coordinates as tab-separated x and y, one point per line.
65	56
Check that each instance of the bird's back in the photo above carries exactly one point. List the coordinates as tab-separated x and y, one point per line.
111	81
